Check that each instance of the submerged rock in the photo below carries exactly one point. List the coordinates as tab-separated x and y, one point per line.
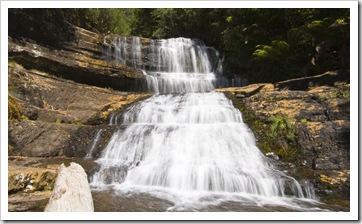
71	191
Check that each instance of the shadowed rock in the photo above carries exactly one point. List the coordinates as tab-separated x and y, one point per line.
328	78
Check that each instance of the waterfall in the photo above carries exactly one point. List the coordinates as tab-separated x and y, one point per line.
187	138
94	143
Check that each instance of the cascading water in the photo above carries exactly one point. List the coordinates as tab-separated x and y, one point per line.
187	142
94	143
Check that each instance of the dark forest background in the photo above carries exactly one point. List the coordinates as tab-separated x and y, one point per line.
264	45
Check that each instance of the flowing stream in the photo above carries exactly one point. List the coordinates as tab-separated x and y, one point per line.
186	148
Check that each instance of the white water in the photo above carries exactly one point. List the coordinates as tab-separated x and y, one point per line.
94	143
190	142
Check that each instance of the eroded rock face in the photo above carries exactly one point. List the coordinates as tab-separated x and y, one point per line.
71	191
60	117
80	60
307	130
320	119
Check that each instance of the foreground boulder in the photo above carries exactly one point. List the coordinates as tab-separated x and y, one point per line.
71	191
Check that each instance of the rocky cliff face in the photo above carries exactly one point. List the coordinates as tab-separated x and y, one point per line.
57	122
56	111
305	132
80	60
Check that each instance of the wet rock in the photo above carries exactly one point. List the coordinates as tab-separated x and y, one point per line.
28	202
30	179
110	201
113	174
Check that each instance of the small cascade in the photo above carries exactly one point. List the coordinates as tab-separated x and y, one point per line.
136	52
127	51
115	118
183	65
171	66
120	45
94	143
309	190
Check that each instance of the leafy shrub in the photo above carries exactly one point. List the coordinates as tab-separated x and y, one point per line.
282	126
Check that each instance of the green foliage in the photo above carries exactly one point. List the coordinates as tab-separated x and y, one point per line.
268	45
288	154
103	20
281	137
14	109
276	135
265	45
24	117
341	92
271	52
78	122
229	19
282	126
304	120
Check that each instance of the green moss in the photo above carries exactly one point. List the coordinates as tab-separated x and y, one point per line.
10	148
282	125
78	122
304	120
276	134
24	117
341	92
287	153
14	109
12	63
